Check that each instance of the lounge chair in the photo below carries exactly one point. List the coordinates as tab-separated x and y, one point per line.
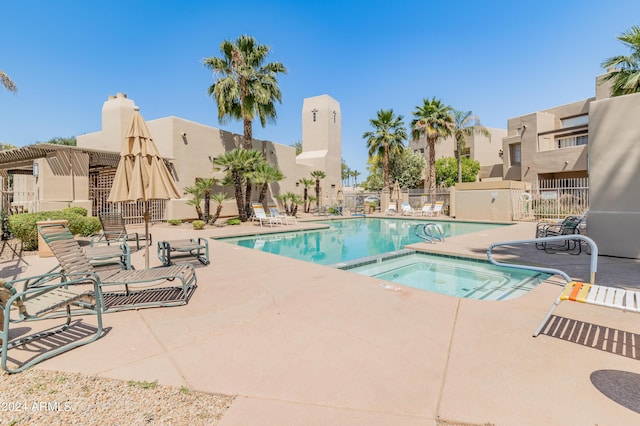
274	212
261	216
437	208
568	226
407	210
114	230
169	250
178	281
99	255
43	297
427	210
391	210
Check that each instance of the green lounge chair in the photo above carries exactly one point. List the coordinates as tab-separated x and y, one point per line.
114	230
43	297
153	287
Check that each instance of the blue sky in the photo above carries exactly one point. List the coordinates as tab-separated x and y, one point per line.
499	59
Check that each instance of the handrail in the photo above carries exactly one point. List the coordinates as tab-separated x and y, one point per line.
593	264
425	236
430	226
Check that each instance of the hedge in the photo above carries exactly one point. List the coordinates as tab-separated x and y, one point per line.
23	226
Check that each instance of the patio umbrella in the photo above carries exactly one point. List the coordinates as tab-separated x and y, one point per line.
395	193
141	174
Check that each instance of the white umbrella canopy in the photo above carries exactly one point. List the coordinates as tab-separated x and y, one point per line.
141	174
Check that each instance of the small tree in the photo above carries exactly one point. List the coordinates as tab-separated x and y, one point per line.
318	175
219	199
447	171
306	183
196	198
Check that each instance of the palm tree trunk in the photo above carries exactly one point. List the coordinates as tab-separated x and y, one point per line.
207	209
306	196
386	165
237	184
318	194
247	196
217	214
432	168
248	134
458	146
263	192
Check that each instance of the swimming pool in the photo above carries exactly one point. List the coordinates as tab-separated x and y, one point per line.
350	239
455	276
374	247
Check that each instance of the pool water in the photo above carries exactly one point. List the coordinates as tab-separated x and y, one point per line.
471	279
350	239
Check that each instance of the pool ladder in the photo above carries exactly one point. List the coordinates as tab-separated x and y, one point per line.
430	232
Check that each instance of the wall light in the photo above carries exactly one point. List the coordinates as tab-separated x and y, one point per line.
36	169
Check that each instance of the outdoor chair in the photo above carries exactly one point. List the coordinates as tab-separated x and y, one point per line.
407	210
427	210
99	256
114	230
568	226
133	289
45	297
169	250
274	212
437	208
261	215
391	210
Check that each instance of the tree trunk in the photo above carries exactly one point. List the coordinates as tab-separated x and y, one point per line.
318	194
432	168
217	214
458	145
386	166
207	208
237	184
247	196
263	192
306	197
248	134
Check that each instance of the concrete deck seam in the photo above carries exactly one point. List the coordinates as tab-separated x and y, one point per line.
446	362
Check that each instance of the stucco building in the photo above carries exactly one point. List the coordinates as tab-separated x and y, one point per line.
50	177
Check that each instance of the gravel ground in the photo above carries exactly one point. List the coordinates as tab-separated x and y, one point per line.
37	397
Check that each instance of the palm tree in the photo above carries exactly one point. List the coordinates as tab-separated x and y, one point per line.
205	185
196	198
219	199
387	138
306	183
239	163
434	120
317	175
246	86
465	124
263	175
626	72
355	175
7	82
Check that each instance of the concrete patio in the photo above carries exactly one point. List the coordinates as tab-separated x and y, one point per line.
305	344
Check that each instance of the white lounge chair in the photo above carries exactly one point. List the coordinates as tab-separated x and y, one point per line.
437	208
391	210
261	216
407	210
274	212
427	210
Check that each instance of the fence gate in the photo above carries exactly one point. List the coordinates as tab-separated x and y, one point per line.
558	198
100	184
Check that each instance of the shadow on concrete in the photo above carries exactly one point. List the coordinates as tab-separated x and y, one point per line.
621	387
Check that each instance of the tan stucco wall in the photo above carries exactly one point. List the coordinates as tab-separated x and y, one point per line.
486	200
614	160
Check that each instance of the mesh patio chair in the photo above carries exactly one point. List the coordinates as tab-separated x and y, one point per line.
133	289
44	297
114	230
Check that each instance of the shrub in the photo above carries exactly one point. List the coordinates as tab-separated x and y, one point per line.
198	224
24	227
75	210
174	222
234	221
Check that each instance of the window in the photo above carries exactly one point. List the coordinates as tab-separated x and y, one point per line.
334	116
315	114
515	154
575	121
572	141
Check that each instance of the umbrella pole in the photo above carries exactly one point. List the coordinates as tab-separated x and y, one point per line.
146	235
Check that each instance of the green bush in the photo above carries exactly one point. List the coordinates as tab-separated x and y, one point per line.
75	210
234	221
198	224
23	226
174	222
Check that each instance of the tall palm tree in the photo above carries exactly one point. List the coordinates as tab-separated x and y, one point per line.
246	86
626	72
7	82
355	175
318	175
306	183
239	163
434	120
465	124
387	138
263	175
